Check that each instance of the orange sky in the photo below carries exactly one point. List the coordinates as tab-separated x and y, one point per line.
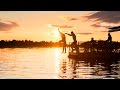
34	25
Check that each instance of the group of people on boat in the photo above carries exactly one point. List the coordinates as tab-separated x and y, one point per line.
74	43
92	42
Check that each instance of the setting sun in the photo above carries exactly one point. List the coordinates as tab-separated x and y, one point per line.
56	34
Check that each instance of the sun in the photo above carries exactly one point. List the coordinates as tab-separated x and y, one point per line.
56	34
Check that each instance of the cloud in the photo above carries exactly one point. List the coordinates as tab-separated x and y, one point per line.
84	33
65	26
117	27
71	19
68	18
6	26
105	16
98	25
104	31
103	19
114	29
60	26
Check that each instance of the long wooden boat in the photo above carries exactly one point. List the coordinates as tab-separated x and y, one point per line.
94	55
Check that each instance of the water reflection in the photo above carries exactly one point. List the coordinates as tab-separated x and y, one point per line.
51	63
28	63
89	69
57	55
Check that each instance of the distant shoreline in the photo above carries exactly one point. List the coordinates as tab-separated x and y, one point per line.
28	44
35	44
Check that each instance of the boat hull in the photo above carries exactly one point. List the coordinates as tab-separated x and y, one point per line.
94	55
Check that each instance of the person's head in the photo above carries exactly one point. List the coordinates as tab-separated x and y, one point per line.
92	38
72	32
108	34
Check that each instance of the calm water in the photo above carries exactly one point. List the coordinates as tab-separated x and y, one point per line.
50	63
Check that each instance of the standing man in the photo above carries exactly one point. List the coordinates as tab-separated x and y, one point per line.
74	43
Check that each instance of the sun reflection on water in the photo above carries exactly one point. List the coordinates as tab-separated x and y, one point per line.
51	63
57	60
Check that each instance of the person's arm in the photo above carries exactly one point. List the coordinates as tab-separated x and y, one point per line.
68	34
60	32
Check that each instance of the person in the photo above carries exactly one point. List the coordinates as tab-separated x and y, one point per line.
109	43
109	38
74	43
63	41
92	42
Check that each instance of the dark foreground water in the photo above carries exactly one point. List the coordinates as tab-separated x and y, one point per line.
50	63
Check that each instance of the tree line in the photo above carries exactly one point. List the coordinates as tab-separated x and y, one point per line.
27	44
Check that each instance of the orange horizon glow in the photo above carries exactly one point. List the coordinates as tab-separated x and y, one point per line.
34	25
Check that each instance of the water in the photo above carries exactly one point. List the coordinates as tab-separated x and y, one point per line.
50	63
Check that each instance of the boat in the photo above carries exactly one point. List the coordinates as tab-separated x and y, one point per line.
99	51
94	55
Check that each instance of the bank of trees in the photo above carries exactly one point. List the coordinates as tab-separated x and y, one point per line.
27	43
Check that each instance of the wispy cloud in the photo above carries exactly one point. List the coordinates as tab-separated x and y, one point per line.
8	25
104	31
114	29
103	19
68	18
60	26
105	16
98	25
84	33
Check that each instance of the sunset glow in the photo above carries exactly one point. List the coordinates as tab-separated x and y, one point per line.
56	33
59	44
42	25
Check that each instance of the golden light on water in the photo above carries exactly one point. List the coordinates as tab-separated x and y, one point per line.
49	63
57	60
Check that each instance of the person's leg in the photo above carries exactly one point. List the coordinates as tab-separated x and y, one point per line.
72	46
65	48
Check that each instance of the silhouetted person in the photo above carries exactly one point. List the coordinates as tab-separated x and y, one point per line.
74	43
109	38
109	41
92	42
63	41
